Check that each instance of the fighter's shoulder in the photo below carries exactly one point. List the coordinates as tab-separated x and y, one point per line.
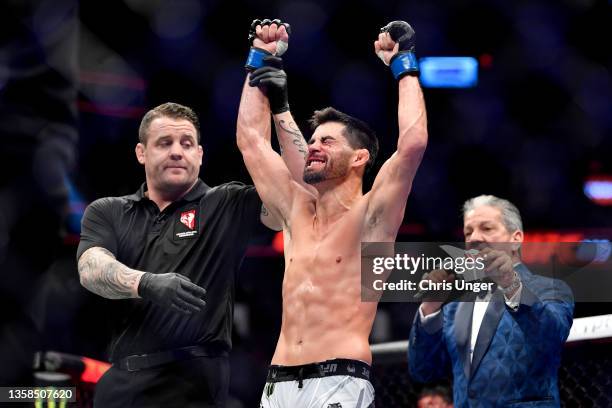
302	199
373	213
369	197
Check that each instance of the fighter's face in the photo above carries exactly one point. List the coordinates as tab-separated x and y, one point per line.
484	225
329	154
171	155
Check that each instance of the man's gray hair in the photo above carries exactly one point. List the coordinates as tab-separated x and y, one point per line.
511	217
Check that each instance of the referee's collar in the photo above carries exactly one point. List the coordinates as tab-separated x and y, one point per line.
197	191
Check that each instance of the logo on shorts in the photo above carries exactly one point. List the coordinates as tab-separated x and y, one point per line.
335	405
329	368
350	368
269	389
188	218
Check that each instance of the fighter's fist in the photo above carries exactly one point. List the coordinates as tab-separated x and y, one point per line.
402	33
397	36
385	48
270	35
395	46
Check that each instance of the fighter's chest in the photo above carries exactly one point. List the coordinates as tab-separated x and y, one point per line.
311	228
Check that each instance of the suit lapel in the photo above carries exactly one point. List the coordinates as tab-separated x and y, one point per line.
487	329
523	272
463	327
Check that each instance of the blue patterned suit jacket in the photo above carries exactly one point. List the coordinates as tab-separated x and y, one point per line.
517	353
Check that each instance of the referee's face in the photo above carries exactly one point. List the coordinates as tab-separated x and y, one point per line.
171	155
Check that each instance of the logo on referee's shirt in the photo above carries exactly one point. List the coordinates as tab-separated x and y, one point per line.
187	224
188	218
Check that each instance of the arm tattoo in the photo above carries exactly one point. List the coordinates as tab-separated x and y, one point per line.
294	131
264	211
103	275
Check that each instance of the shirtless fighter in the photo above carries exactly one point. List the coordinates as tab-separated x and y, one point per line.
322	356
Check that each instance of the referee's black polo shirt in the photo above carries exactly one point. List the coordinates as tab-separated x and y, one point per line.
203	236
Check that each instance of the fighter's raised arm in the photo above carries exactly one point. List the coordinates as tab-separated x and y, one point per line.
387	199
273	179
267	35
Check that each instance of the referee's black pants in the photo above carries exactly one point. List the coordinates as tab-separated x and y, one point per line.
200	382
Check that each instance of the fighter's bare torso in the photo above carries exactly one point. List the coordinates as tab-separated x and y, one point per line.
323	315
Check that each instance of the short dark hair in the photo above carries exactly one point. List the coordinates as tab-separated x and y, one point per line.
169	110
357	132
439	390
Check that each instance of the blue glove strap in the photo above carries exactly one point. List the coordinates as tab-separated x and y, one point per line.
404	63
255	58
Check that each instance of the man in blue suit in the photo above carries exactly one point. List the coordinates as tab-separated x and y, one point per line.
504	350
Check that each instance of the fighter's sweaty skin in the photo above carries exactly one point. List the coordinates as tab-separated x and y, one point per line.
323	315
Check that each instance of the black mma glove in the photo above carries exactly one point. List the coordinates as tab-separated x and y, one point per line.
404	62
256	55
172	290
273	80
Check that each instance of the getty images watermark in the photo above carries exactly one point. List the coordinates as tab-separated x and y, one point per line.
400	271
469	261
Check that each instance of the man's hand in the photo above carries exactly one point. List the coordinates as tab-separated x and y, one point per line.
273	81
172	290
395	37
385	48
396	47
499	266
434	299
270	35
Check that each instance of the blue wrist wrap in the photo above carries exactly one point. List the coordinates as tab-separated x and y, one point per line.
255	58
404	63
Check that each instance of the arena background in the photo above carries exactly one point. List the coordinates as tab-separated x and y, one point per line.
536	130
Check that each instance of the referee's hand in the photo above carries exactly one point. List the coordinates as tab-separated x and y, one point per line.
172	290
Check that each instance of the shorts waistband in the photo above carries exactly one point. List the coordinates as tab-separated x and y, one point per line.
143	361
327	368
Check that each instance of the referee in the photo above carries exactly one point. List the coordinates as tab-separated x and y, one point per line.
169	254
